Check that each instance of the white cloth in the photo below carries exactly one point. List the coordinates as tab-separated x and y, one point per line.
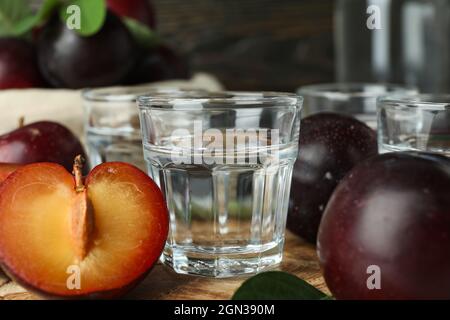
65	106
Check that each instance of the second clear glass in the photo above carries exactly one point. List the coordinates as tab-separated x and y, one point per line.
354	99
111	125
414	123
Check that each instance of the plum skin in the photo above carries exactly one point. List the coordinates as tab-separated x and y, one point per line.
69	60
18	65
42	141
100	295
392	211
330	145
157	64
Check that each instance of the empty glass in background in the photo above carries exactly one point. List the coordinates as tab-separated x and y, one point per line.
394	41
227	204
418	123
112	125
354	99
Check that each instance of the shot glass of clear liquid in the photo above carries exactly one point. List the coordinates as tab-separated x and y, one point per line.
418	123
354	99
224	162
112	128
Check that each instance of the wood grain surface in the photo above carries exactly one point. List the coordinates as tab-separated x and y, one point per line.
252	44
162	283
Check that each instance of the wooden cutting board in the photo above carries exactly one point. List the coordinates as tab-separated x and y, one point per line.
162	283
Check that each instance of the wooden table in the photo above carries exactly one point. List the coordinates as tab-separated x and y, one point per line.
299	258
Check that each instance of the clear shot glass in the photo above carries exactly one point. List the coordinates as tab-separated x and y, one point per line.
354	99
111	125
418	123
224	162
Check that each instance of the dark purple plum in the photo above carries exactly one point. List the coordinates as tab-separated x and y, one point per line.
69	60
330	145
156	64
42	141
18	65
392	212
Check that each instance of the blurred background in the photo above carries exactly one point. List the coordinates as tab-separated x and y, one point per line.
284	44
251	44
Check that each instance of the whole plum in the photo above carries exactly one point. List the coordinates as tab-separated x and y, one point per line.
70	60
18	65
385	233
330	145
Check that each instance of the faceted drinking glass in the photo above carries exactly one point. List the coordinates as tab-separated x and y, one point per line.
111	125
418	123
354	99
224	162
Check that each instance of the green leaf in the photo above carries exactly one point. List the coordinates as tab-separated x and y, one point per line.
86	17
142	34
42	15
12	13
17	18
277	285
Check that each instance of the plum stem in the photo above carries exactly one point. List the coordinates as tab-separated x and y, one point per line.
21	121
77	172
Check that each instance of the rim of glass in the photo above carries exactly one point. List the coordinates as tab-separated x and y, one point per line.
198	99
122	94
345	90
423	101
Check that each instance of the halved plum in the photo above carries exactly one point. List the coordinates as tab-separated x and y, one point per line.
109	231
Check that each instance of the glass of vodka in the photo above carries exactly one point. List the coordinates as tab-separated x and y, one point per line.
111	125
354	99
417	123
224	162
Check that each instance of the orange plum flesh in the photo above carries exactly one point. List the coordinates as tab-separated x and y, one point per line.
111	232
6	169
